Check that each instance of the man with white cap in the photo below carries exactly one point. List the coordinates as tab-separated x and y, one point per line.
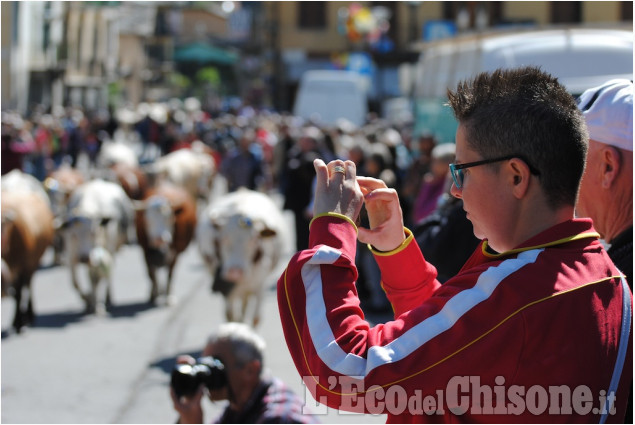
606	191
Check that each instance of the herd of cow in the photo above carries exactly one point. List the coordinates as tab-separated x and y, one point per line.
162	207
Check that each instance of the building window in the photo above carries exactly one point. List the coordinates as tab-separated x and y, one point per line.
627	10
563	12
473	14
311	14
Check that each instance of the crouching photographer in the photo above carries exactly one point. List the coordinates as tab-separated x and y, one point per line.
231	368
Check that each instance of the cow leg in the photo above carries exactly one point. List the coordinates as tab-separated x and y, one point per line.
256	317
109	303
30	315
170	299
93	305
154	290
229	314
75	282
58	248
18	317
243	308
229	307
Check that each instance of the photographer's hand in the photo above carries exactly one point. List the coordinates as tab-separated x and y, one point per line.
189	408
384	215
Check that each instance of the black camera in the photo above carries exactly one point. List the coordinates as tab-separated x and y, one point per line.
208	371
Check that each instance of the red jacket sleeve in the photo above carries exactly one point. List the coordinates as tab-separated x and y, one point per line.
406	277
323	323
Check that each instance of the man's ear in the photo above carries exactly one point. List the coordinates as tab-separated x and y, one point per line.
611	165
520	175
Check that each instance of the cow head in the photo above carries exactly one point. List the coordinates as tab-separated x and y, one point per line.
159	221
83	235
240	244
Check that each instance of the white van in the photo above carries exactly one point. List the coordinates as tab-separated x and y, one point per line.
328	95
580	58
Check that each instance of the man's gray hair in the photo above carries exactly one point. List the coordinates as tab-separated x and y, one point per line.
246	344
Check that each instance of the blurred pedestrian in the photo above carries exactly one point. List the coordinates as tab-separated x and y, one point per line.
242	166
434	183
445	237
281	152
300	175
43	137
14	148
421	159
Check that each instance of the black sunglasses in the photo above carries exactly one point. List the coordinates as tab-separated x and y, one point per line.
457	174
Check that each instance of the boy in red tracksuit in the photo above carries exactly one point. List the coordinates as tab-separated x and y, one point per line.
534	328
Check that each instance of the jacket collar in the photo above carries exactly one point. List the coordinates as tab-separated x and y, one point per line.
565	232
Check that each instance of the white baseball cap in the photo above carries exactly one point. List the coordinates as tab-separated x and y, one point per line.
608	110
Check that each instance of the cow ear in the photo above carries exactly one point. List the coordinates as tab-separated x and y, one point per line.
267	232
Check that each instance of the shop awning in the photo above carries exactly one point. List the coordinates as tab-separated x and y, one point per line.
204	53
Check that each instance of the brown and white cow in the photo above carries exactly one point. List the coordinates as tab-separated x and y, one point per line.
100	216
165	222
241	237
59	186
27	231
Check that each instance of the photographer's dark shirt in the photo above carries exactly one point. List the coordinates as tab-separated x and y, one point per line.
271	403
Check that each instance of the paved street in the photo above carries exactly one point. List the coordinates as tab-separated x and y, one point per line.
74	368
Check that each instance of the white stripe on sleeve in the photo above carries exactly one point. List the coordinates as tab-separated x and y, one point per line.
356	366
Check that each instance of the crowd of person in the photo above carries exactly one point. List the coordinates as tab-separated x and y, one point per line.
258	149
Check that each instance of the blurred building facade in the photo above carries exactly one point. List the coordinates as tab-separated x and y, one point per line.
98	54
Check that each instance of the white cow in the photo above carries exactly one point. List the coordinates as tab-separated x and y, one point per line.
112	153
192	168
99	221
241	237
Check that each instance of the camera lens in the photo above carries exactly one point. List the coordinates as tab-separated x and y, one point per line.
208	370
184	380
212	372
